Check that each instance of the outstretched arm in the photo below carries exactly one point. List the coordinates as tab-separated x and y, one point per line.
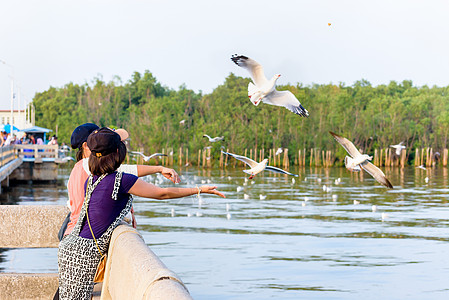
143	170
148	190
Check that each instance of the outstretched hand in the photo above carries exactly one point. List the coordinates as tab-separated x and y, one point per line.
211	190
171	175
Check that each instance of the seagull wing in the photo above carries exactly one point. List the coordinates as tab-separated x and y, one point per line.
347	144
286	99
156	154
245	159
376	173
253	67
277	170
137	153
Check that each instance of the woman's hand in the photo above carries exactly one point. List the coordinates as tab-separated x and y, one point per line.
170	174
211	190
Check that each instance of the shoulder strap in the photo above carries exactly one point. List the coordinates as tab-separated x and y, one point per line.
90	188
118	179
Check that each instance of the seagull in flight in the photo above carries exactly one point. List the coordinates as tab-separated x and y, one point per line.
279	151
262	89
215	139
147	158
398	148
357	160
256	167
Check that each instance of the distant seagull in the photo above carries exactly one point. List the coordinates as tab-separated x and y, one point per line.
262	197
279	151
421	167
215	139
265	90
182	122
256	167
147	158
358	160
245	196
398	148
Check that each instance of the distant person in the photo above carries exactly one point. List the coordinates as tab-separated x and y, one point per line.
53	140
103	210
8	139
39	141
32	139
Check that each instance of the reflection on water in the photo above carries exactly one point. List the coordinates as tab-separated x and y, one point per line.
302	241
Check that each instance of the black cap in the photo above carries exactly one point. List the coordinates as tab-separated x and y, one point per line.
103	141
80	134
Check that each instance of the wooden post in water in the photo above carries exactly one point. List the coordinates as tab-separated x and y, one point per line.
403	157
221	160
226	159
209	158
269	158
445	154
376	157
199	157
246	151
251	153
204	158
317	158
163	157
311	157
417	161
322	158
304	157
422	156
286	162
299	158
428	162
187	156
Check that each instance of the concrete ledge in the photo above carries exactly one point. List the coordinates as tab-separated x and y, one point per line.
31	226
133	271
28	286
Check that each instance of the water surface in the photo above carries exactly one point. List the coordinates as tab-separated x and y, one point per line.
301	241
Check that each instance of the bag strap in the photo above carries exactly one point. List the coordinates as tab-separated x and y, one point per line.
90	188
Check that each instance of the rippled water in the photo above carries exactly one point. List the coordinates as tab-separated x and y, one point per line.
355	240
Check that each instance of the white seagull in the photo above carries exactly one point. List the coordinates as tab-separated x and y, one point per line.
147	158
359	160
265	90
215	139
256	167
279	151
398	148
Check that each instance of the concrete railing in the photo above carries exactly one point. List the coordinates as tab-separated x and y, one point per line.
133	271
29	226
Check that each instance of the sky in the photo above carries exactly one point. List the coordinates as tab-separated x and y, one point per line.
50	43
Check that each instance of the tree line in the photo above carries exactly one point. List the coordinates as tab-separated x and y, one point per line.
371	116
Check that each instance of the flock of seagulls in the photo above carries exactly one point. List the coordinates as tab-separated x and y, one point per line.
262	89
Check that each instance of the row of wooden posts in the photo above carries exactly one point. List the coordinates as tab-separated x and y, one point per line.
317	158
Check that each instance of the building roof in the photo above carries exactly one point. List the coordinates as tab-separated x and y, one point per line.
36	129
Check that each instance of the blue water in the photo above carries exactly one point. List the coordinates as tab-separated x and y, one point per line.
284	247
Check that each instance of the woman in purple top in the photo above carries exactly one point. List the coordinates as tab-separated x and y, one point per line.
108	200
